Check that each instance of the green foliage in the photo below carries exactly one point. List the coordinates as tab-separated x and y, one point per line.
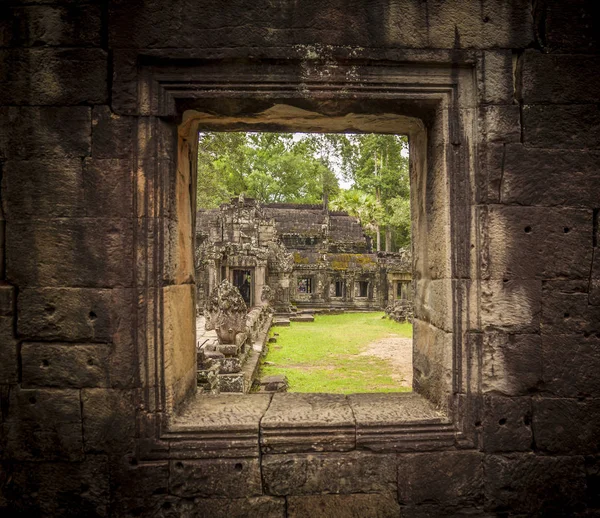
271	167
323	356
361	205
301	168
399	219
377	167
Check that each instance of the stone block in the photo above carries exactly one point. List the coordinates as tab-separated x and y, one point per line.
139	487
112	134
231	478
496	25
567	313
492	171
434	303
179	335
567	426
65	365
447	478
513	306
9	356
305	474
73	314
167	138
568	27
7	299
501	123
70	25
432	510
407	25
592	469
552	126
124	95
37	132
228	365
108	188
275	383
84	315
534	485
539	242
77	252
496	77
56	488
506	424
43	189
571	364
380	505
511	364
550	177
236	417
109	420
432	362
228	350
46	76
557	78
308	422
232	382
258	506
43	425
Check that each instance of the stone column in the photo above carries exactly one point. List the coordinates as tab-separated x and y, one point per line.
260	279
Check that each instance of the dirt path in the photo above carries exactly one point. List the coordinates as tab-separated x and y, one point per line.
398	351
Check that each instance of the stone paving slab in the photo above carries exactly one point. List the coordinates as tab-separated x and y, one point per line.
223	412
280	322
217	426
391	409
302	318
399	422
308	422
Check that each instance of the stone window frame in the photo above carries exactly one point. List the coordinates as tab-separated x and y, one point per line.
342	284
366	284
434	94
309	284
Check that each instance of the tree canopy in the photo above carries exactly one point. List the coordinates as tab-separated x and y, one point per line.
303	168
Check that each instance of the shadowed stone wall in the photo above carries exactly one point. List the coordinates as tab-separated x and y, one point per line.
96	280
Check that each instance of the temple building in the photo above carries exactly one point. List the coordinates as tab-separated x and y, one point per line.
297	256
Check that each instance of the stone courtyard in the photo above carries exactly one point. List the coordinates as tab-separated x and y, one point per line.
101	104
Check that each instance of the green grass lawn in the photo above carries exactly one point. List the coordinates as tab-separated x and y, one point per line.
322	356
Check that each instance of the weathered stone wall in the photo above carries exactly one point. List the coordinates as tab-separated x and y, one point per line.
97	265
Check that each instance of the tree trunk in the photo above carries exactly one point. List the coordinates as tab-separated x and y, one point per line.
388	239
378	248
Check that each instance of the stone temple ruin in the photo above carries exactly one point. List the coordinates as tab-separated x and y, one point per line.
308	257
289	259
100	108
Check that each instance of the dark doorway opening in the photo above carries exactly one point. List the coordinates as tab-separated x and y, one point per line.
242	280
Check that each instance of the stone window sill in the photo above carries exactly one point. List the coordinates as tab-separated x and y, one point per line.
234	425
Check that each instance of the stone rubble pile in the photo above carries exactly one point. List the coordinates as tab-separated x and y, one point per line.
400	311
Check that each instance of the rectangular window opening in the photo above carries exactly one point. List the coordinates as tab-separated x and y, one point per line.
305	285
339	288
285	218
363	288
